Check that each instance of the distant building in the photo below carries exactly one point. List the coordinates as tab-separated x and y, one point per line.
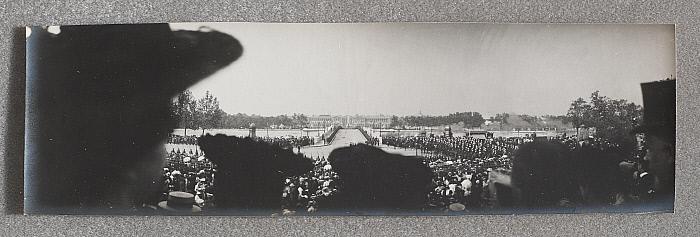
325	121
377	121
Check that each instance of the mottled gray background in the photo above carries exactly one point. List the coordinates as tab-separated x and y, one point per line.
17	14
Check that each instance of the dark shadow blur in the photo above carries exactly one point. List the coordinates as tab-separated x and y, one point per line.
543	174
99	103
371	179
250	174
14	132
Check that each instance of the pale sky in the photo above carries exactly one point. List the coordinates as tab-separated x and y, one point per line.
434	68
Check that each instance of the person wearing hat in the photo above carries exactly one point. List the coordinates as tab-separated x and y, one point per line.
180	202
112	87
659	129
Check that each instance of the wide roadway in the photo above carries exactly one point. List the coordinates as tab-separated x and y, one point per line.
344	138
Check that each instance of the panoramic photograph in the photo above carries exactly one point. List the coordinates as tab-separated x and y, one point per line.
305	119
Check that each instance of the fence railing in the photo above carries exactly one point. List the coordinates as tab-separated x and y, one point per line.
364	133
331	134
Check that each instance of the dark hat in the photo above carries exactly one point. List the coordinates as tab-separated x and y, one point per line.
180	202
659	108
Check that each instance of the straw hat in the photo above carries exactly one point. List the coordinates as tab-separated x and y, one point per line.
457	207
180	202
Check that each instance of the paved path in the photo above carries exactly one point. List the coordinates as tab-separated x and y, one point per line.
344	138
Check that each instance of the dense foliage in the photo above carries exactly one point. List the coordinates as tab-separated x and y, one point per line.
468	119
241	120
612	119
205	113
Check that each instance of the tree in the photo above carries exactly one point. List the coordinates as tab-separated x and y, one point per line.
208	113
240	120
534	121
184	110
501	119
471	119
555	122
474	119
613	119
578	113
283	120
299	120
395	122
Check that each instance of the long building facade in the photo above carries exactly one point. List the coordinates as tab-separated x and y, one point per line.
378	121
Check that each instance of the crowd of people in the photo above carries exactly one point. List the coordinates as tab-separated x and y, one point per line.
458	147
306	192
374	141
184	140
464	188
188	172
287	142
191	172
284	142
460	166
